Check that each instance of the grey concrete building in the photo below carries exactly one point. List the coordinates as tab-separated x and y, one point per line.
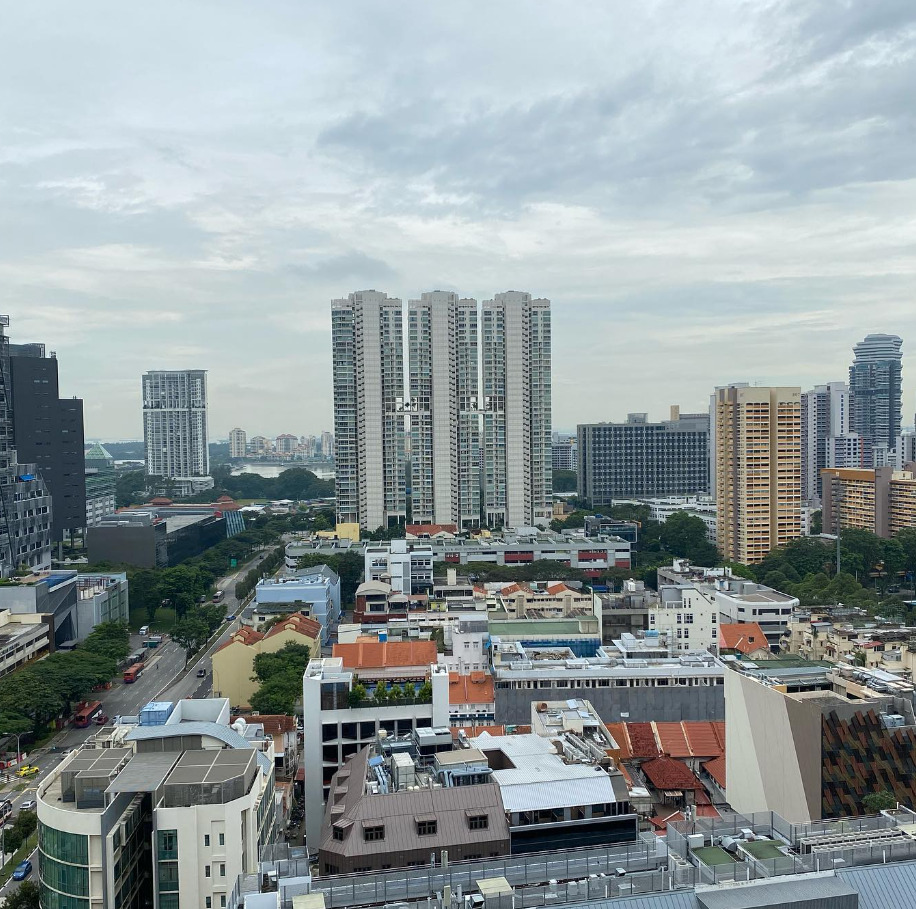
175	423
639	459
875	385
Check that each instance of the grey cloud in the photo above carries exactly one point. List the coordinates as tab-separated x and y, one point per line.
345	269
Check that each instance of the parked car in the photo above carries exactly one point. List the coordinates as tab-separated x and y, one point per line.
28	770
23	870
27	805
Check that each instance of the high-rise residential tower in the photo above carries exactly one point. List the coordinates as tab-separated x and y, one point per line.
516	389
238	443
875	384
368	358
175	423
826	437
327	445
444	417
758	470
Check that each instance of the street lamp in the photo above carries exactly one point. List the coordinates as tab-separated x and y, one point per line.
18	736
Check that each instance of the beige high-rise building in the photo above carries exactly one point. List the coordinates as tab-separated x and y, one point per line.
758	470
238	443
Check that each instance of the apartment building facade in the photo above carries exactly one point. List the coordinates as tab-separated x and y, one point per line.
442	340
758	470
826	437
882	500
516	386
876	387
175	423
638	459
368	360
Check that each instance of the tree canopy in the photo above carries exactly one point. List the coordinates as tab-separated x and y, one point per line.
280	676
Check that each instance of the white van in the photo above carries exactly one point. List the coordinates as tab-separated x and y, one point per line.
144	631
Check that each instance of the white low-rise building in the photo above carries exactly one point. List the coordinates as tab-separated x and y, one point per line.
315	592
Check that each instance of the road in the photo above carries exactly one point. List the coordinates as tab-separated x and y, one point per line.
163	679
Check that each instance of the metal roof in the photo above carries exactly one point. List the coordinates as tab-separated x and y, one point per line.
173	730
814	891
883	886
144	772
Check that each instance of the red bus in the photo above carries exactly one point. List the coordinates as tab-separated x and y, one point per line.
87	712
133	673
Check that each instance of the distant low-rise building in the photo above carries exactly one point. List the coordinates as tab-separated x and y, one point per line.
101	598
233	661
313	592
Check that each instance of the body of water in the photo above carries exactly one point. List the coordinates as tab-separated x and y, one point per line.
274	470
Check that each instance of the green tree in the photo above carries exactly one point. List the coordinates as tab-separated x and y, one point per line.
817	522
291	657
191	633
564	481
130	488
882	800
357	694
25	896
278	695
684	535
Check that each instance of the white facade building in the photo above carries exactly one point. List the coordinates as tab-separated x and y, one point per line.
516	387
444	417
315	592
175	423
687	615
826	435
238	443
407	568
702	507
368	358
333	730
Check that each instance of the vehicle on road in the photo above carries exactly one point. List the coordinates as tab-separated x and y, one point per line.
27	805
230	618
218	596
23	870
86	713
101	719
144	630
28	770
201	673
132	673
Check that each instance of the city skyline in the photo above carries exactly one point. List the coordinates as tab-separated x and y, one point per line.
731	185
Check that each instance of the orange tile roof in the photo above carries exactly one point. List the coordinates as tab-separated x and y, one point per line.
299	623
716	769
666	773
705	738
245	635
415	530
386	654
745	637
554	589
618	732
706	811
476	688
672	739
660	821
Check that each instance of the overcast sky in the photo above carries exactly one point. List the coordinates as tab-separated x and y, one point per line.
707	190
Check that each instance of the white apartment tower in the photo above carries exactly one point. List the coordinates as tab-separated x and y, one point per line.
238	443
826	436
367	341
444	417
175	423
517	451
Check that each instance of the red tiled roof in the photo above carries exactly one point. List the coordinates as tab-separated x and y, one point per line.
706	811
716	769
702	798
642	740
618	732
245	635
672	739
414	530
704	738
476	688
386	654
745	637
554	589
273	723
660	821
472	731
666	773
299	623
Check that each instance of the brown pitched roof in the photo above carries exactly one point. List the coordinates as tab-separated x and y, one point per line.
273	723
297	622
386	654
672	739
667	773
642	740
706	739
745	637
414	530
618	732
244	635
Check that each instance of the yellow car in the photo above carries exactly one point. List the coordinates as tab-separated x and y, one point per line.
26	770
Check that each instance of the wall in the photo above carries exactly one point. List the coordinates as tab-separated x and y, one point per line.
643	704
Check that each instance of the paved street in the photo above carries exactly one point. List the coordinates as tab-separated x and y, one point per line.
163	679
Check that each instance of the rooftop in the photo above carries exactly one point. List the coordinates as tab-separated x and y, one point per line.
386	654
745	637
